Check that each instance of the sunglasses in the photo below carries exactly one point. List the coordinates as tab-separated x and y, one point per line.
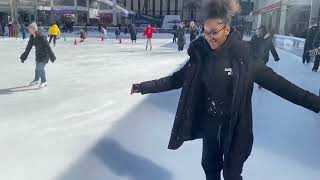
212	34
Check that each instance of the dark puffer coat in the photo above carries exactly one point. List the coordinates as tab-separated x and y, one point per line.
188	124
261	46
43	49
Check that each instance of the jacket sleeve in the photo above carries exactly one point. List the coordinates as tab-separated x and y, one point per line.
316	40
48	49
275	83
175	81
25	55
273	51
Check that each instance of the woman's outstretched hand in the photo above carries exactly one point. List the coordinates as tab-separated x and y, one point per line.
135	88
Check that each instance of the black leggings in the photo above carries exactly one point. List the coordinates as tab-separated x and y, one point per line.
54	37
316	63
213	161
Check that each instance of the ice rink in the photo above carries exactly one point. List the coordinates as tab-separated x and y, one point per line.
86	126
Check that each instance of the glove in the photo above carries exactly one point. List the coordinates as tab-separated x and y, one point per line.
23	57
314	52
53	59
135	88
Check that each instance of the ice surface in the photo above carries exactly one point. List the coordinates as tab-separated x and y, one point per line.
86	126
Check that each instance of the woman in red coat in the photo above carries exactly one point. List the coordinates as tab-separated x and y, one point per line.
149	33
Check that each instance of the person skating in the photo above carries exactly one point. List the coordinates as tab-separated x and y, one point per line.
54	33
314	52
174	29
181	36
311	33
148	33
104	33
10	28
215	102
43	54
23	31
82	35
133	33
261	44
3	27
1	32
117	32
193	31
86	29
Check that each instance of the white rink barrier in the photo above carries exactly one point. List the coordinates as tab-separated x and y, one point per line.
290	44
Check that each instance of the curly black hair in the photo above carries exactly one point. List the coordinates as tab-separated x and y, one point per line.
220	9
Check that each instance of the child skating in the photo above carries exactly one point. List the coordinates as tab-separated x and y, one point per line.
82	35
43	54
148	33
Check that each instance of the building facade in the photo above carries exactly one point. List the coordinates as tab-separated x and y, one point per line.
48	11
94	11
286	17
187	9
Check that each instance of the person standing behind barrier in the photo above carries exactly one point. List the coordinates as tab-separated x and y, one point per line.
148	33
181	36
193	31
311	33
16	30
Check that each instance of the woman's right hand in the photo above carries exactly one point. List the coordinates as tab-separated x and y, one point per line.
135	88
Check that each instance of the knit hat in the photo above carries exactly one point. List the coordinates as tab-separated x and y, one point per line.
33	26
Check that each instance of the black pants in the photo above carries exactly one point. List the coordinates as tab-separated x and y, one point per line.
180	47
316	63
213	161
305	56
54	39
174	39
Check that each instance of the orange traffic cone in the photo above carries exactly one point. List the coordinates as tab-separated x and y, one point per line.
75	42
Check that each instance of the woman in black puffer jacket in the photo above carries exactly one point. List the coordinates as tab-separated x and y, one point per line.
217	84
43	54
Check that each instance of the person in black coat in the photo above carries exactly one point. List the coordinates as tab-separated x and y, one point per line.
174	32
43	54
261	44
215	102
133	33
193	31
181	36
316	47
3	27
311	33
